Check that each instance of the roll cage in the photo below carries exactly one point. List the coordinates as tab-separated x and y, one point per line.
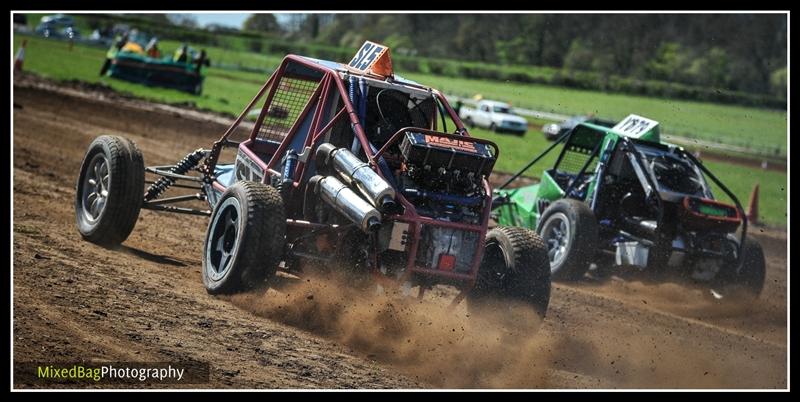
326	104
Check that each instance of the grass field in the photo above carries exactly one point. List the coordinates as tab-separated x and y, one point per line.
229	91
734	125
229	57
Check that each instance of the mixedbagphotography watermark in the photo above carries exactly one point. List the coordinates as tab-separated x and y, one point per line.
191	372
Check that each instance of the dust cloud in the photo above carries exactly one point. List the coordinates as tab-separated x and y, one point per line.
451	348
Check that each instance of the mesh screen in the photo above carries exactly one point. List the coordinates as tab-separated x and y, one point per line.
574	159
291	97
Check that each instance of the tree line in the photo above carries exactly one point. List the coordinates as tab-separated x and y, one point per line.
734	52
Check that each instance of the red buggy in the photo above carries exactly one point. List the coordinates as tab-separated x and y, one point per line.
345	164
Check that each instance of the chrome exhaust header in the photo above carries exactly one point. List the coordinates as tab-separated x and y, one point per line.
347	202
357	173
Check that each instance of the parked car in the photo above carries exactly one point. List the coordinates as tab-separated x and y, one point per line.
57	26
496	116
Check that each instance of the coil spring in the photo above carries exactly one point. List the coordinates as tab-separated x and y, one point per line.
162	184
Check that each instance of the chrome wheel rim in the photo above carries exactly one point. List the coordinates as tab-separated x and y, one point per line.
223	239
556	234
95	188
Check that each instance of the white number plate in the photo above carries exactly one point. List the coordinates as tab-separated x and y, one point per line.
635	126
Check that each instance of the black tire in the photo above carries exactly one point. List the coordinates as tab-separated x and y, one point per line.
469	122
571	253
493	127
749	275
514	268
245	238
106	210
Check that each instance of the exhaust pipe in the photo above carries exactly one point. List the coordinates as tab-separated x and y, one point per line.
358	173
347	202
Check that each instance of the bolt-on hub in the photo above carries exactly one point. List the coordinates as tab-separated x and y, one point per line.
556	234
95	188
224	238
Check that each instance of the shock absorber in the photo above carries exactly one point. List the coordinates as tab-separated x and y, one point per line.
162	184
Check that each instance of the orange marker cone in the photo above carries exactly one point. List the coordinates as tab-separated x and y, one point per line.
752	210
20	56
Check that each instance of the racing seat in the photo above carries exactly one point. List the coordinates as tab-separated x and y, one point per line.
565	180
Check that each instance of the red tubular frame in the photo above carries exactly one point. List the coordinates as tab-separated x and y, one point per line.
318	101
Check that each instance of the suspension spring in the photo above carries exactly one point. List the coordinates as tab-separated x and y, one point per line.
162	184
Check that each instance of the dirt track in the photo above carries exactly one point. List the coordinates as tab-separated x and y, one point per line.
74	301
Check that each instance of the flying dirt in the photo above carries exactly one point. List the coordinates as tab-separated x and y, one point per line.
145	301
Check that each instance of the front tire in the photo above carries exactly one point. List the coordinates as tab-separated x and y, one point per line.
570	231
245	238
514	269
110	190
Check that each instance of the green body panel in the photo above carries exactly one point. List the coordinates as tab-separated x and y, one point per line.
520	211
548	189
524	207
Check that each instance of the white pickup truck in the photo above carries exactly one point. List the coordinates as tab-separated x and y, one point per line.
496	116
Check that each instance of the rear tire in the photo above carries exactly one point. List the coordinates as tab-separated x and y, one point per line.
569	230
245	238
493	127
749	276
110	190
515	268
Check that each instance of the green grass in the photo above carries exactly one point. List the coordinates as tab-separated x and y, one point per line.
228	57
773	189
224	90
734	125
229	91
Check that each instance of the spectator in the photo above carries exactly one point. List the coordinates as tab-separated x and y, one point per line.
152	48
181	55
201	60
